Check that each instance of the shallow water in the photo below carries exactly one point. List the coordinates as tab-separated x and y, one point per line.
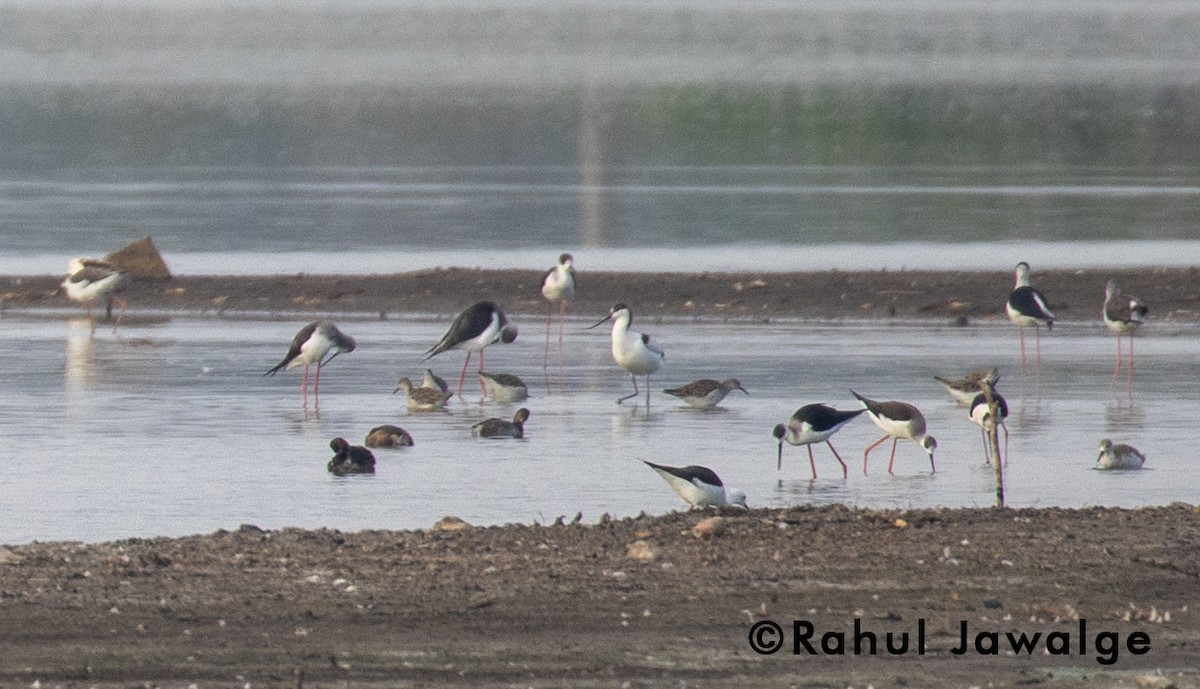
171	428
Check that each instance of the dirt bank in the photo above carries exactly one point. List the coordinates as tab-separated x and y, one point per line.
1173	294
632	603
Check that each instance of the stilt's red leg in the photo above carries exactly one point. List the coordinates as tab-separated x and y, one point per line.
893	457
870	447
812	462
845	469
463	376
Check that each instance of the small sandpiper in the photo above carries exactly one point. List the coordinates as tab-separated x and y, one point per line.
964	389
706	393
422	399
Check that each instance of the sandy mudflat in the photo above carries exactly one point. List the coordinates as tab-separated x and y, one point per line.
1173	294
631	603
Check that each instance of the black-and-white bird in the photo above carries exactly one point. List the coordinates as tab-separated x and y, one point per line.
898	420
388	435
698	486
633	351
502	428
813	423
89	279
310	346
705	393
434	381
1119	456
478	326
1028	308
558	286
350	459
1123	313
981	415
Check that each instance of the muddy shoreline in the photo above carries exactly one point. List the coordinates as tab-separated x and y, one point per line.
960	297
640	602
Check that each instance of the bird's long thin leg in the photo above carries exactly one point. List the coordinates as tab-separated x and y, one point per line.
845	469
546	354
812	462
647	392
317	385
562	357
893	457
122	304
463	376
635	389
1118	362
304	386
870	447
987	451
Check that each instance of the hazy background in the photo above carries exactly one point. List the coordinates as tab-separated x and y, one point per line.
268	127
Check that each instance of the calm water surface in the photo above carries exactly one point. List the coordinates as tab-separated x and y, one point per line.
172	429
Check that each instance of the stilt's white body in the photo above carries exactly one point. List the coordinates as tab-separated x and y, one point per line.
634	351
698	486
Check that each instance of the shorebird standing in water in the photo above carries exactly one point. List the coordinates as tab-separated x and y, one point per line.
1119	456
558	286
422	398
88	279
705	393
310	346
1027	307
813	423
632	351
897	420
1123	313
981	415
964	389
478	326
698	486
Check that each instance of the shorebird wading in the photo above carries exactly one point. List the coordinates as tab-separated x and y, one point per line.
422	399
1027	307
813	423
698	486
964	389
1123	313
310	346
478	326
558	286
632	351
897	420
89	279
981	415
706	393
